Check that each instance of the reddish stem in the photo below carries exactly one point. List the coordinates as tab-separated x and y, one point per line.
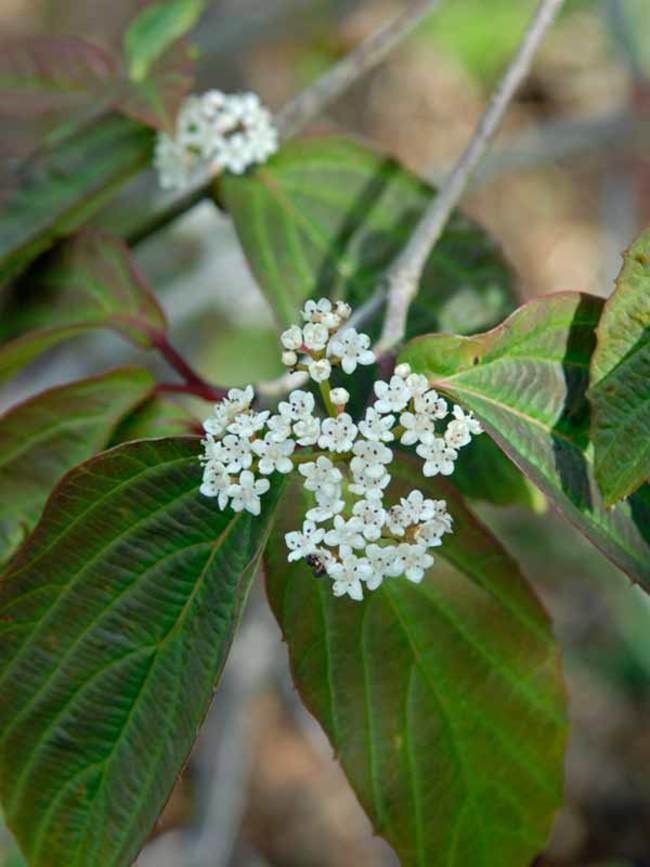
194	382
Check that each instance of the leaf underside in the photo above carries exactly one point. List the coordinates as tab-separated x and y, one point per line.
115	621
527	380
443	701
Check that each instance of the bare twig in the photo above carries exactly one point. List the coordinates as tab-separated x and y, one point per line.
402	278
299	111
310	103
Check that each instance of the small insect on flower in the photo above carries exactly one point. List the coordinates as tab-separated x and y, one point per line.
352	535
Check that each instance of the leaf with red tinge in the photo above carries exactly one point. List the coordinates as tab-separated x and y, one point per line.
49	73
156	99
91	282
443	700
59	189
46	436
527	380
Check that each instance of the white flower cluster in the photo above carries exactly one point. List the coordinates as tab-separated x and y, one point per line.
222	131
322	344
349	534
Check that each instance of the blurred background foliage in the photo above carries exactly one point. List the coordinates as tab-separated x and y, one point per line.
565	189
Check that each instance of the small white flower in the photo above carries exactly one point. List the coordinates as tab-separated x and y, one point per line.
376	426
430	403
174	162
352	348
274	456
414	561
391	396
403	370
300	405
320	473
368	485
292	338
438	457
419	507
307	430
279	428
302	544
246	424
239	399
319	370
345	535
343	310
398	519
313	311
457	434
216	424
473	424
417	384
246	493
216	483
328	504
315	336
235	453
373	517
348	575
339	396
384	562
369	458
289	358
337	434
418	427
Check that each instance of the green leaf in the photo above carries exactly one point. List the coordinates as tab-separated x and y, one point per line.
116	619
443	701
90	282
154	30
326	216
60	188
526	380
620	380
156	99
483	472
46	436
48	73
156	417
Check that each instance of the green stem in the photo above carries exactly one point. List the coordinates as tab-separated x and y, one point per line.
325	394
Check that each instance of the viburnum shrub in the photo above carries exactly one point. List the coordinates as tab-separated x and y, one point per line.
132	527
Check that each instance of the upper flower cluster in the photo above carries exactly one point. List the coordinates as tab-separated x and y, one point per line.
223	131
321	343
349	533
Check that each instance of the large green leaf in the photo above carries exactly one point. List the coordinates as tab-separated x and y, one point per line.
115	622
483	472
443	701
326	216
46	436
90	282
527	380
47	73
155	29
620	380
58	190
